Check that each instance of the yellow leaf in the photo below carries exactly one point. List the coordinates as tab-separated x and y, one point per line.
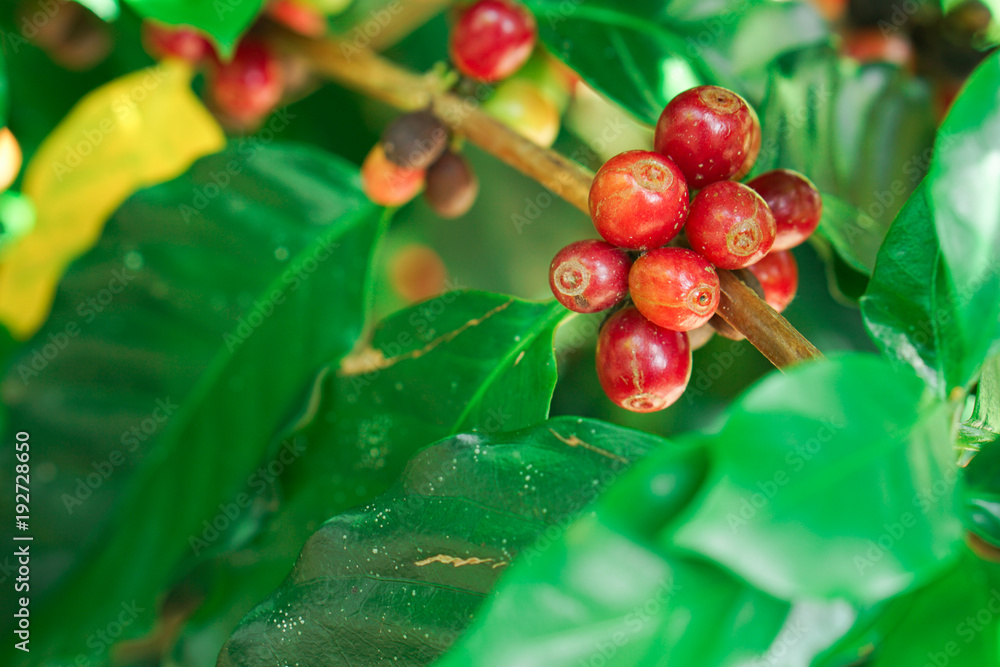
141	129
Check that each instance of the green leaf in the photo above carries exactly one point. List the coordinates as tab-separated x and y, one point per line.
606	593
967	208
224	21
633	52
907	307
861	133
466	361
396	581
182	342
934	301
953	621
832	480
850	231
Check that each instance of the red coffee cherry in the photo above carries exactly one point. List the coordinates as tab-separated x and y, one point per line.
386	183
589	276
642	367
674	288
297	16
162	41
492	39
730	225
778	274
756	138
638	200
452	186
795	204
248	87
708	131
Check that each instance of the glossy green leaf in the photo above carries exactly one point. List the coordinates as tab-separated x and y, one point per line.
861	133
966	206
396	581
605	593
953	621
179	346
224	21
934	301
833	480
634	52
466	361
850	232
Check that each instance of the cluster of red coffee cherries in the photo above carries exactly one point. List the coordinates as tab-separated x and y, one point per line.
706	139
245	89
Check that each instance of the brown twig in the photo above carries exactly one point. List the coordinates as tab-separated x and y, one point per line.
374	76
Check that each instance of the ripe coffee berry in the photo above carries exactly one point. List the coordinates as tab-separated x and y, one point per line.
188	44
795	204
589	276
298	16
730	225
523	107
388	184
756	138
642	367
708	131
249	86
778	274
674	288
492	39
638	200
451	186
415	140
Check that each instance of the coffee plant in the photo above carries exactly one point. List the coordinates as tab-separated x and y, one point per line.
284	382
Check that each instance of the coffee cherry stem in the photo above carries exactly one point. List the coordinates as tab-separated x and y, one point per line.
369	74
